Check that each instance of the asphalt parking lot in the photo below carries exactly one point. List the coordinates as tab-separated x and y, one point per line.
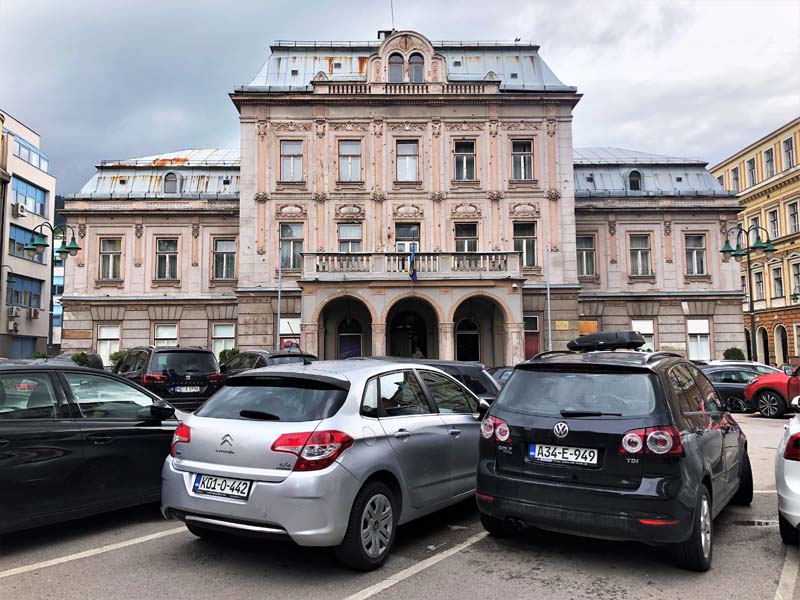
136	554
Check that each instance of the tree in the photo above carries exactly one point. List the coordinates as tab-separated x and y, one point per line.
116	357
733	353
227	355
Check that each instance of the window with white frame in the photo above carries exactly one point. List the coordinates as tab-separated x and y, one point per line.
758	285
647	328
751	172
755	222
349	160
350	237
788	153
695	254
777	282
525	241
773	224
165	335
167	258
223	337
796	339
110	259
406	234
586	255
735	179
107	341
794	217
396	68
466	237
291	244
171	183
721	180
407	160
769	163
521	160
416	68
464	151
289	333
640	255
224	258
635	181
291	160
699	339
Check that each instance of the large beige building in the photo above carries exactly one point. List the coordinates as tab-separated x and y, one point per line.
356	157
27	190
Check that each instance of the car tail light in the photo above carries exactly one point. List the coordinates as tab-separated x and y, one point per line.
494	427
215	378
657	441
183	435
314	450
792	451
154	378
658	522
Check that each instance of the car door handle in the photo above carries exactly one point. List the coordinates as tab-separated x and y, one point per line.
99	439
402	433
455	432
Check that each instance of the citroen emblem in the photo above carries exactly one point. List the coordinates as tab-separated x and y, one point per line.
226	439
561	430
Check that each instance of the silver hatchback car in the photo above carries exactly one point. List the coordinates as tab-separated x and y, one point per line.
335	453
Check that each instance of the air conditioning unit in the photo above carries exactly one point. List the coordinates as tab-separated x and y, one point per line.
33	313
13	326
20	210
13	312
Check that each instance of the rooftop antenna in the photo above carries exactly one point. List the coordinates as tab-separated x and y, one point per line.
306	362
391	7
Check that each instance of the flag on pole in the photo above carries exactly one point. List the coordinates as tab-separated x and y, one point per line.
412	262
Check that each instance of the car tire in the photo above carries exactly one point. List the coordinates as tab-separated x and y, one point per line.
789	534
736	405
770	404
695	554
371	529
744	495
496	527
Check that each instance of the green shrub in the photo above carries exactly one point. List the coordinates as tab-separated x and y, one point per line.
227	355
733	354
116	357
81	359
39	355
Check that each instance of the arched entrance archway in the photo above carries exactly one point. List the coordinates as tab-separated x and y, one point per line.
781	346
480	331
345	329
762	346
412	329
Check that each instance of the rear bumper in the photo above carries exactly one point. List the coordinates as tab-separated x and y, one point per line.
787	483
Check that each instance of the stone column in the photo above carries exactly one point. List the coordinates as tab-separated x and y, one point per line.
378	339
447	347
310	336
515	343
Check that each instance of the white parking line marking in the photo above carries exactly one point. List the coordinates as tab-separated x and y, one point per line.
420	566
788	578
87	553
764	491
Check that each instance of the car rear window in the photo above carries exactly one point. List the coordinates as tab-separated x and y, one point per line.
276	399
547	392
185	362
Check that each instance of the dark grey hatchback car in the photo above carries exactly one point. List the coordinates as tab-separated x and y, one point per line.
621	445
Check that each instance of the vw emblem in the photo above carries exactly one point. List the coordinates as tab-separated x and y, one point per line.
561	430
226	439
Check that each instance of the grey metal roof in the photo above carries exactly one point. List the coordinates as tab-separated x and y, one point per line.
609	155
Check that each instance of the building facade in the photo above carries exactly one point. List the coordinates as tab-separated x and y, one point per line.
397	197
28	200
765	176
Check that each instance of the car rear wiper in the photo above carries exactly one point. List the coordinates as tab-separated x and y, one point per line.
258	414
588	413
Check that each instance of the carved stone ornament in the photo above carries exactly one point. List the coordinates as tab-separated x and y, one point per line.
667	228
350	126
377	196
491	76
495	196
291	126
319	126
377	128
320	76
195	230
465	210
519	125
261	126
405	211
554	195
612	227
551	127
261	197
139	231
408	126
436	127
82	230
438	196
464	126
724	227
350	211
524	209
493	128
319	197
290	210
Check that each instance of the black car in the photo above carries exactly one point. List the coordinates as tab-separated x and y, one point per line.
255	359
620	445
730	379
75	442
186	377
500	374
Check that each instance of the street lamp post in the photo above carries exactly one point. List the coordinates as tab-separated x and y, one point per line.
37	244
10	280
743	252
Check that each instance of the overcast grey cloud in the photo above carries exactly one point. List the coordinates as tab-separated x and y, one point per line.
105	79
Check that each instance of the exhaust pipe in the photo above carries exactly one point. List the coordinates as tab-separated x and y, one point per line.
516	524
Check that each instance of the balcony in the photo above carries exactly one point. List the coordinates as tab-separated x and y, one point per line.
406	88
367	266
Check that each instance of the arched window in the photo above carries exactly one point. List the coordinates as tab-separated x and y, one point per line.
635	181
395	68
350	338
416	68
171	183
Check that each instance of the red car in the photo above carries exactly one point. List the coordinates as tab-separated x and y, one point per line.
772	394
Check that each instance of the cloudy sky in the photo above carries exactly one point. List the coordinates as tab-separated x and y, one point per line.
104	79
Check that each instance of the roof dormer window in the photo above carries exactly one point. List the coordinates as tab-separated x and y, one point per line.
456	63
635	181
395	68
295	72
514	75
337	65
416	68
171	183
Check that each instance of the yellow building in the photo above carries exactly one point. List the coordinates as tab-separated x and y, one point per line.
766	178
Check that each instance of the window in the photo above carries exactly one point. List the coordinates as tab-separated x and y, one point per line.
758	284
695	254
755	222
110	258
522	160
291	160
30	154
223	337
416	68
171	183
224	259
27	396
777	282
26	292
17	238
349	160
735	179
794	219
58	285
369	403
531	324
58	315
466	237
101	397
721	180
407	160
33	198
350	237
788	154
751	172
635	181
405	234
165	335
465	160
769	163
640	255
525	242
289	332
586	255
167	258
395	68
291	242
107	341
647	328
772	223
401	395
448	396
699	339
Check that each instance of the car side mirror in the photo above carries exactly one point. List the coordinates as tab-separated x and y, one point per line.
789	370
796	372
161	410
483	407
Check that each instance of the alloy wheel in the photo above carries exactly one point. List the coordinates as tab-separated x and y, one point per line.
377	523
768	404
705	526
736	405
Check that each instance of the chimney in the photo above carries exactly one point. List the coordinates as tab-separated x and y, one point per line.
384	33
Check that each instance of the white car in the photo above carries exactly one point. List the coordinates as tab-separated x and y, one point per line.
787	480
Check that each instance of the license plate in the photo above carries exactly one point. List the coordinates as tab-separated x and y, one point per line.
186	389
562	454
221	486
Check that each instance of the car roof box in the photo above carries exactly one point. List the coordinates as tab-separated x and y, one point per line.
607	340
